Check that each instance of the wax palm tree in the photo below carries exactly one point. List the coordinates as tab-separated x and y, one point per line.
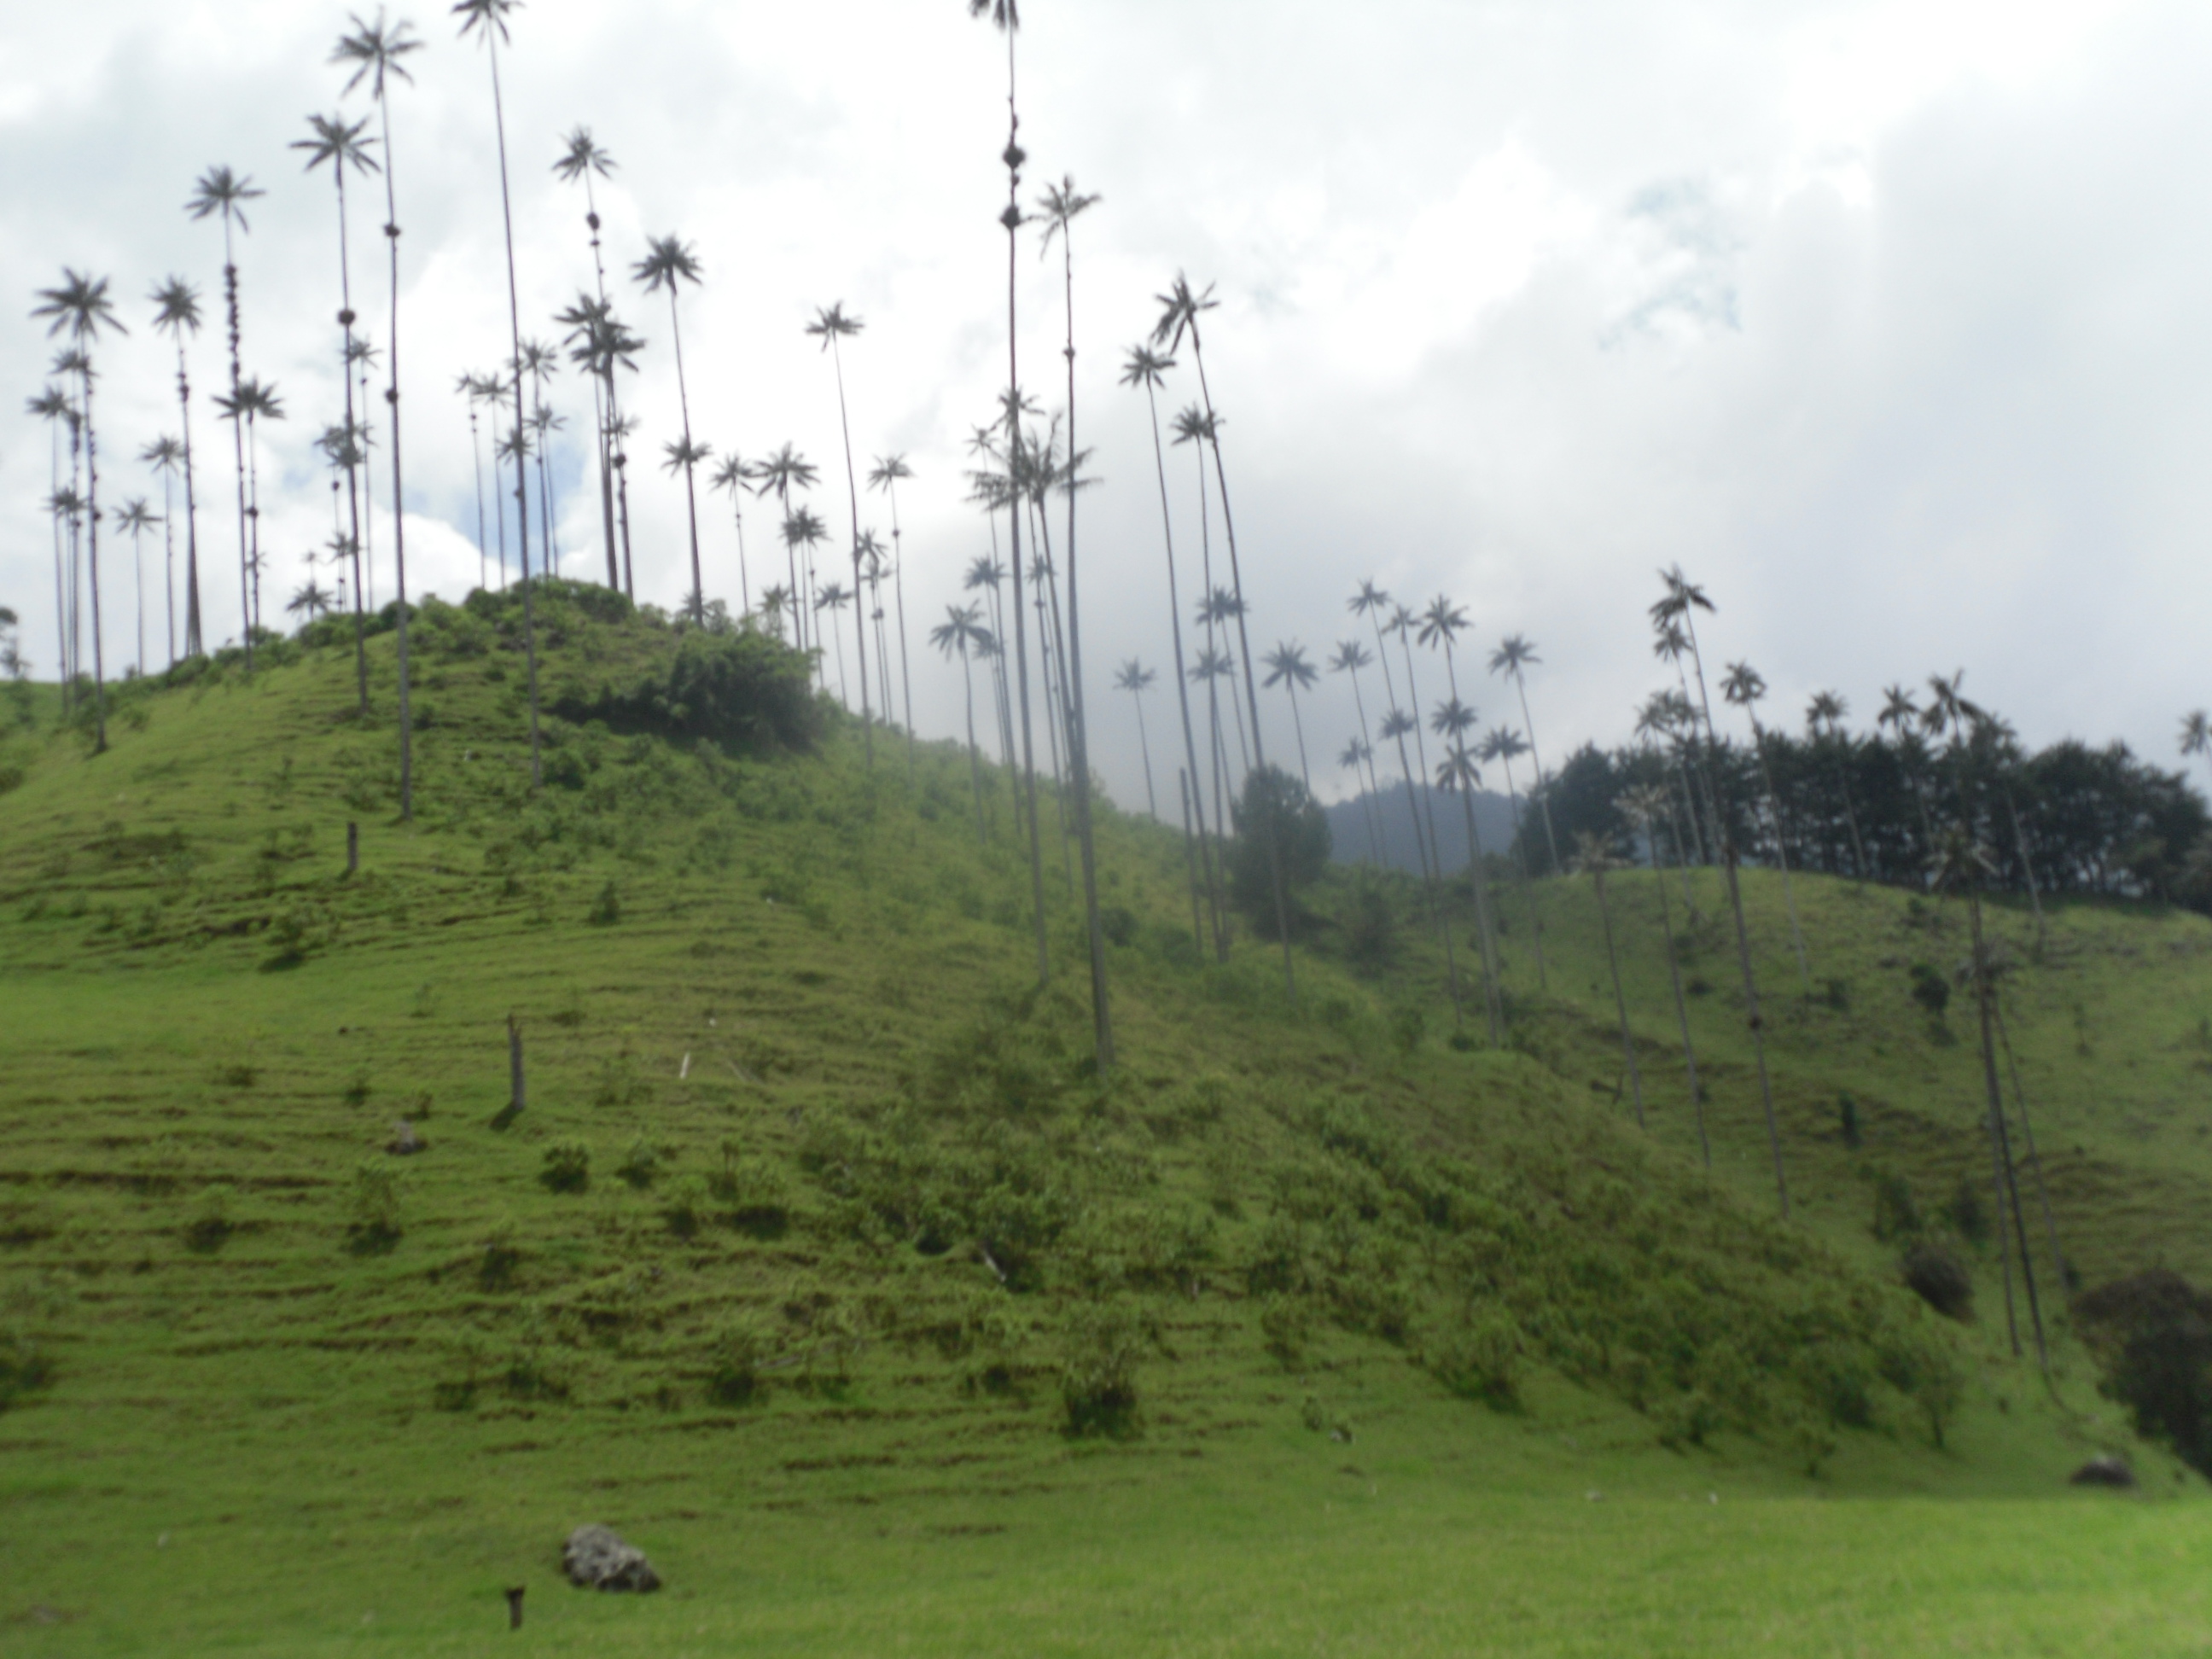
487	20
52	405
1963	863
885	475
1350	658
832	599
177	313
1005	16
377	54
1824	719
1645	804
256	401
733	475
1395	725
1181	310
1458	773
584	161
1372	603
1513	657
1594	860
599	343
985	575
1060	206
776	600
875	565
338	144
1359	754
1441	624
1674	614
1401	624
957	634
164	455
1743	686
1137	679
2197	735
219	193
783	471
804	531
81	306
539	363
135	519
1287	667
681	455
1143	367
309	598
1505	746
667	265
66	507
832	326
1667	715
1900	717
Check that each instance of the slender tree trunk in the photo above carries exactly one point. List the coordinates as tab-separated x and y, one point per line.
1182	674
975	760
1781	852
521	464
1536	755
1485	942
1190	862
1152	802
2034	1157
1755	1021
193	644
1681	1007
1528	884
1619	1000
853	492
1245	646
1297	722
398	487
238	447
92	545
898	596
353	444
1428	807
2000	1154
169	560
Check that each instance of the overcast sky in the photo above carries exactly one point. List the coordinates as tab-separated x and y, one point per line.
1884	320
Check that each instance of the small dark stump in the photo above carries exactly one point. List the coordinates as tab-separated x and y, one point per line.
2109	1470
514	1606
594	1559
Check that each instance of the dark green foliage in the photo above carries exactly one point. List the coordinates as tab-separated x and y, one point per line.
567	1166
1938	1279
639	1165
2153	1332
1930	989
606	909
742	689
1965	1212
1272	797
734	1360
1896	1213
210	1226
1369	929
1847	1121
1103	1346
502	1256
1479	1357
374	1228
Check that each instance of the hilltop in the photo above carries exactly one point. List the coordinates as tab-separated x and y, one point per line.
821	1261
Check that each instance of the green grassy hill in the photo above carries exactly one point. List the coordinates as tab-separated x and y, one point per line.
820	1265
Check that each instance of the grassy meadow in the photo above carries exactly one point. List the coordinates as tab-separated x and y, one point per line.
820	1266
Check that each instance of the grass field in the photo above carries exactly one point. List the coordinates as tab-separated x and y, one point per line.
306	1396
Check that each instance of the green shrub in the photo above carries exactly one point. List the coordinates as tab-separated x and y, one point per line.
567	1166
743	689
1274	800
606	909
2153	1333
1929	989
502	1256
210	1225
1287	1326
734	1358
1103	1345
1896	1215
1479	1358
685	1211
639	1165
375	1208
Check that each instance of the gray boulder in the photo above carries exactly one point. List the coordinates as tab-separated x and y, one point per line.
2108	1470
594	1559
405	1142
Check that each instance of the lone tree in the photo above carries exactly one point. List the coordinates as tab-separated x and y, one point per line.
1280	828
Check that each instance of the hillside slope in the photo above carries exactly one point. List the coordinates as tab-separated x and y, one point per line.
815	1210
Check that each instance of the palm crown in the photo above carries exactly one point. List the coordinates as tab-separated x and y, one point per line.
221	192
484	16
582	156
1287	663
80	305
828	326
376	50
334	140
176	307
667	261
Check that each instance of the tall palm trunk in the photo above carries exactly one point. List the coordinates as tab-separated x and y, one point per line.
353	427
1244	648
691	488
1428	807
898	599
1367	743
1183	679
1781	850
975	759
859	587
1478	879
1298	724
1752	1018
238	445
1436	906
398	491
92	547
2001	1152
169	561
521	461
1681	1007
194	645
1528	882
1536	755
1145	743
1619	998
2028	1131
603	399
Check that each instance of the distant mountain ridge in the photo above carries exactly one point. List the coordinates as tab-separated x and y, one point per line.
1356	834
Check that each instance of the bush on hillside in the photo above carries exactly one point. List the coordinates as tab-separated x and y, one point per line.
743	690
1104	1344
1938	1277
567	1166
375	1203
2152	1334
1274	799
